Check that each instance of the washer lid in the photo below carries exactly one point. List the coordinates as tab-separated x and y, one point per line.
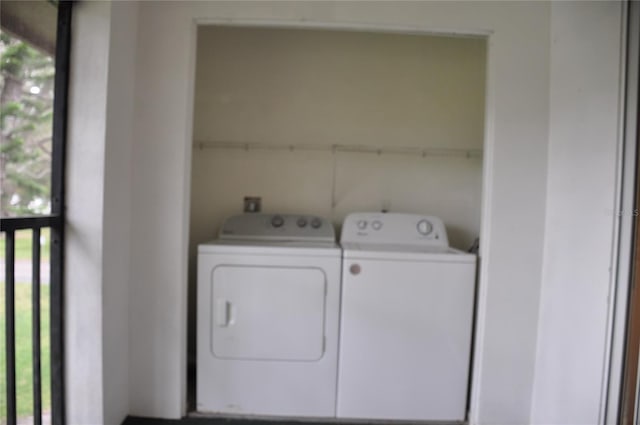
401	252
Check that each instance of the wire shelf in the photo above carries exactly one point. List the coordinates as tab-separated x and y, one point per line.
335	148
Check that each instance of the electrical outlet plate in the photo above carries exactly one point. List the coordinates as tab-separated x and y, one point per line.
252	204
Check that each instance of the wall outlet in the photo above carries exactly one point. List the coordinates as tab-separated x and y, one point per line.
252	204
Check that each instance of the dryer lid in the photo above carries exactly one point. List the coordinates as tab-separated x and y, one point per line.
271	247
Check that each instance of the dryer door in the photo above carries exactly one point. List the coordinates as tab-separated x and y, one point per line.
267	313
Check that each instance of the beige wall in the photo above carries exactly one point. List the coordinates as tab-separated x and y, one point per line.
296	87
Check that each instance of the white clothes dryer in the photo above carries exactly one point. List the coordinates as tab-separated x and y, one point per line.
406	320
268	316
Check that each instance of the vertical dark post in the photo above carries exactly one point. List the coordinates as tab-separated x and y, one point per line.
10	329
35	327
63	46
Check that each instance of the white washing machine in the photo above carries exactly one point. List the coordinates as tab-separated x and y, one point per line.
406	320
268	317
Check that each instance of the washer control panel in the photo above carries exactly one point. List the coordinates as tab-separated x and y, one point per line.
277	227
394	228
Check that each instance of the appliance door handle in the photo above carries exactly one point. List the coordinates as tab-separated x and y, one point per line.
224	313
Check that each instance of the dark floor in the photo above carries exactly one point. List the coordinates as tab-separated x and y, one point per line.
131	420
195	420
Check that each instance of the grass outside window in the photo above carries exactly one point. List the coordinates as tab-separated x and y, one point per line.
23	330
23	245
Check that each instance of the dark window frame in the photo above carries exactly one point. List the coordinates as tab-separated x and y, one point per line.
55	221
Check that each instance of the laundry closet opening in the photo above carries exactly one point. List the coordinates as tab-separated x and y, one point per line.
329	122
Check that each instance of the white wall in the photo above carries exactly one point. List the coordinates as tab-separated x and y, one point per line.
515	185
582	59
84	374
583	142
117	210
309	87
99	212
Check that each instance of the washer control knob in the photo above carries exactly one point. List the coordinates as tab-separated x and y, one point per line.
302	222
316	223
424	227
377	225
277	221
362	224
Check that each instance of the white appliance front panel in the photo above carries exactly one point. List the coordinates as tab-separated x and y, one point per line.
301	388
267	313
405	340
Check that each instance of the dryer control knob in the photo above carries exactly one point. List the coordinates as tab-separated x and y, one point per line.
362	224
424	227
277	221
302	222
377	225
316	223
